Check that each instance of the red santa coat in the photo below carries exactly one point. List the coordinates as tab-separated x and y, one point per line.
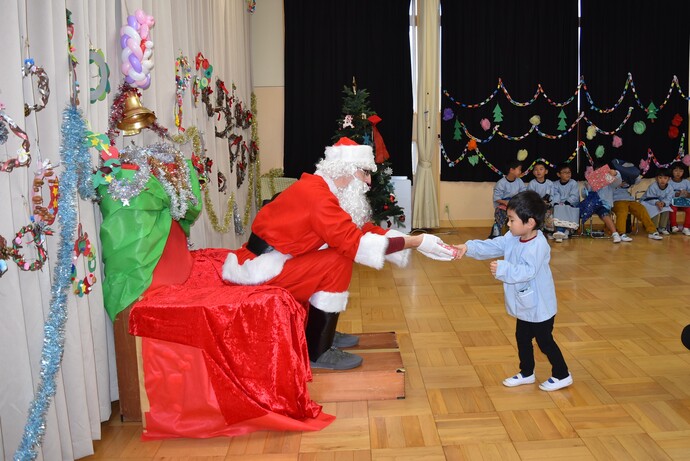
315	244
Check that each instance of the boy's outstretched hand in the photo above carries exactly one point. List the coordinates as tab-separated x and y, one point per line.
462	249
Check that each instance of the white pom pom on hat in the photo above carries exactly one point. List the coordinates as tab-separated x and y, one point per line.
348	151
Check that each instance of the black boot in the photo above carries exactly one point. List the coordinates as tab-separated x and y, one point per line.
320	331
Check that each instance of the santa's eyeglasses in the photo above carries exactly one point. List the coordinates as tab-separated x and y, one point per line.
364	172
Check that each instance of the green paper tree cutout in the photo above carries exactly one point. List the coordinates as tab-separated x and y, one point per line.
457	135
562	125
498	114
473	159
384	206
651	111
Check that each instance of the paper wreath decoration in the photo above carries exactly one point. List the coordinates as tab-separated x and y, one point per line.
591	132
522	155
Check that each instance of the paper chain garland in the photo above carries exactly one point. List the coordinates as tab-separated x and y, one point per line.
183	76
536	129
629	83
24	154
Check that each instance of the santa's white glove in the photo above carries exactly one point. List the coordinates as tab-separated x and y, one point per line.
434	248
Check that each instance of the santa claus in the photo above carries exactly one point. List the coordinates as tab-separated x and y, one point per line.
307	239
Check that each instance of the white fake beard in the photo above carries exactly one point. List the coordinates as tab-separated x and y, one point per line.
353	200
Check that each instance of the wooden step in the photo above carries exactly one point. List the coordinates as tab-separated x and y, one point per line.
380	377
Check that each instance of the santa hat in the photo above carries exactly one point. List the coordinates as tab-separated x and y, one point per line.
348	151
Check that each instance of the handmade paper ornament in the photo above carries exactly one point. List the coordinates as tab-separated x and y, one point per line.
644	166
677	120
639	127
599	152
591	132
617	141
485	123
448	114
535	120
522	155
673	132
472	144
686	160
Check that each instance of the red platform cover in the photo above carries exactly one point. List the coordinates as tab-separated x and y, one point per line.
253	348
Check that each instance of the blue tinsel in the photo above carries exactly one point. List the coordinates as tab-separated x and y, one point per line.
75	158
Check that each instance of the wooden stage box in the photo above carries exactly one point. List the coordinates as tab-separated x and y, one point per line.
380	377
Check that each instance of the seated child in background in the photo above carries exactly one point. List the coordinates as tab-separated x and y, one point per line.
657	200
543	187
504	190
530	295
600	203
624	203
681	186
565	199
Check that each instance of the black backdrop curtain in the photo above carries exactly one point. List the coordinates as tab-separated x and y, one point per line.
649	39
326	44
524	43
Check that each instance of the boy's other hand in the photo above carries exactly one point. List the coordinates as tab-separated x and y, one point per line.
493	267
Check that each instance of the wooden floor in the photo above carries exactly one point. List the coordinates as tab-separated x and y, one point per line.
621	310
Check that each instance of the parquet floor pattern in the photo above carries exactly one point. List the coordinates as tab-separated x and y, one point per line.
621	310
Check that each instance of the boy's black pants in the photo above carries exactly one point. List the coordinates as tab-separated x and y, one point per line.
542	331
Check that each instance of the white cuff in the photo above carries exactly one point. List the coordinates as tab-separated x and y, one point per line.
372	250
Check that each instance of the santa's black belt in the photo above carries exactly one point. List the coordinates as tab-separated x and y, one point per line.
257	245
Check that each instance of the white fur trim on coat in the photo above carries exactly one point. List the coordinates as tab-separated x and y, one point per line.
372	250
399	258
329	302
254	271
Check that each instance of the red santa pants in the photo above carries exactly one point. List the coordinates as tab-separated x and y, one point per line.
319	272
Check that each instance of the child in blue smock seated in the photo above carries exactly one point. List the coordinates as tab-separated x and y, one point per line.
505	188
657	200
544	187
681	186
600	203
565	199
530	294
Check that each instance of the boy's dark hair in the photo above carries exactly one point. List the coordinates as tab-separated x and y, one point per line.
513	163
663	172
563	166
542	163
528	204
680	165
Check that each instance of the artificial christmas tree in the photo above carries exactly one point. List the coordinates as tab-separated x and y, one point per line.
358	122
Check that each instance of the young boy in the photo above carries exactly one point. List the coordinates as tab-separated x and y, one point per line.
529	291
543	187
657	200
505	188
681	188
565	199
600	203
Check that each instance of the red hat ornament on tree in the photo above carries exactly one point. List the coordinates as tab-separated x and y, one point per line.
379	146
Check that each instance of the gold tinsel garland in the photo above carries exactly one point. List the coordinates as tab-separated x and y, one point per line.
227	216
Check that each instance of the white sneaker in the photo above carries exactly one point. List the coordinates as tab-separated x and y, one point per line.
616	237
663	232
553	384
625	238
559	236
519	380
675	230
686	231
655	236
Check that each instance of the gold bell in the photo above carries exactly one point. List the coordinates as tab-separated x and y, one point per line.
135	116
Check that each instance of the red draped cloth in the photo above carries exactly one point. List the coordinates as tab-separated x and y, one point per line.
232	359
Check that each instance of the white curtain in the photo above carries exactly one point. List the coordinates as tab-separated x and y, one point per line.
86	382
425	209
